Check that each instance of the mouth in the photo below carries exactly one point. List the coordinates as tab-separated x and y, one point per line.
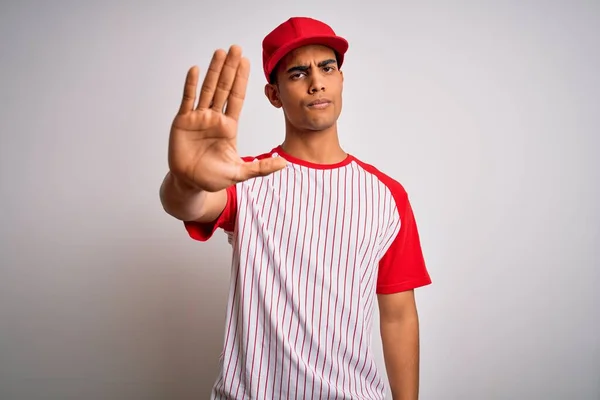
319	103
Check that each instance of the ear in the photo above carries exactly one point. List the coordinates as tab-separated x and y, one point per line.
272	93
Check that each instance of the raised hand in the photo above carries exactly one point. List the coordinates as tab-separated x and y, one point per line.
202	143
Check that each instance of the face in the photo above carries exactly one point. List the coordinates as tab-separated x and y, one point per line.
308	88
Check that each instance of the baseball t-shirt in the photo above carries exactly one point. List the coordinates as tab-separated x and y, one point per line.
312	246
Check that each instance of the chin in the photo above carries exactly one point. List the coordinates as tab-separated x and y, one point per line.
319	124
311	123
317	127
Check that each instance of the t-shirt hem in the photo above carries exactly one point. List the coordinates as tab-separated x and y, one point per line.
404	286
200	231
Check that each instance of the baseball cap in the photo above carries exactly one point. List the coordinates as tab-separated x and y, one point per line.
297	32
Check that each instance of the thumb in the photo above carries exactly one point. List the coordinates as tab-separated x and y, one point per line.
262	167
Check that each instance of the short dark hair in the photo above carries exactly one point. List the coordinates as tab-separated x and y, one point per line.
273	74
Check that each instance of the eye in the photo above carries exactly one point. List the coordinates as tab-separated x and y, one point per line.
296	75
328	68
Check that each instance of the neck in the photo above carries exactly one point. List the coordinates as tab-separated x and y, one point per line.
319	147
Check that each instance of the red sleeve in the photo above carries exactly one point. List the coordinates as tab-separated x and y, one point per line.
226	221
403	266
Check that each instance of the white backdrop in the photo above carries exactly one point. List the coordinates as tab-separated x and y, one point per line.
487	112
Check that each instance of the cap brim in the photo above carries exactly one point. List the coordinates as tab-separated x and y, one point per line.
337	43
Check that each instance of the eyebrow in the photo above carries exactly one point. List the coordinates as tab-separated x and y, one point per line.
304	68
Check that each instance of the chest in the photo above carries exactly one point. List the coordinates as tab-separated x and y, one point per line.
318	215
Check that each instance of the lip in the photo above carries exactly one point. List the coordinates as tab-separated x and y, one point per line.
319	102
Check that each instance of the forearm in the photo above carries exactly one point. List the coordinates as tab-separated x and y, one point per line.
400	339
189	204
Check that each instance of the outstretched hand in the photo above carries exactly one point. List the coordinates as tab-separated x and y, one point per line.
202	143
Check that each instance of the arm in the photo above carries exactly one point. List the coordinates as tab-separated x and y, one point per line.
202	156
399	325
188	204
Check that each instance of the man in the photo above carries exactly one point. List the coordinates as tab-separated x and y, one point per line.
317	234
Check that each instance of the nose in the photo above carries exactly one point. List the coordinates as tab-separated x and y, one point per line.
316	83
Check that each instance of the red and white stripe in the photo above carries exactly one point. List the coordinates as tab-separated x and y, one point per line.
307	242
312	246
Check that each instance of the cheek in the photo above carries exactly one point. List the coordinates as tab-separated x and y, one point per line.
291	102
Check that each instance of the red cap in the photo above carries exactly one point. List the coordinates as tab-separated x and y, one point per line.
297	32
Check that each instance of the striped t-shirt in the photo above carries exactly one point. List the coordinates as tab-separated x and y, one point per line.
312	246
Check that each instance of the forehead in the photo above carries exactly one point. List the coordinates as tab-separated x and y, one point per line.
308	54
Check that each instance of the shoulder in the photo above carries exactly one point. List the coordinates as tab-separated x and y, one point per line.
395	187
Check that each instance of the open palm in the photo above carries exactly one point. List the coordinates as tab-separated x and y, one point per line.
202	142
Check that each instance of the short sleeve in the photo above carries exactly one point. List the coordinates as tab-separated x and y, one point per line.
226	220
402	267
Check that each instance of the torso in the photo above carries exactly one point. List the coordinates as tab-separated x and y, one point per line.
306	247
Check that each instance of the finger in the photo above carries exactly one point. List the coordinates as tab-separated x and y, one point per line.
226	78
212	77
262	167
238	90
189	91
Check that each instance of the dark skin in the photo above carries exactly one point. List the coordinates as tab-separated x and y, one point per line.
203	161
202	154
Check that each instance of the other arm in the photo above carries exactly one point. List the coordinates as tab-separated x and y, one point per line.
399	326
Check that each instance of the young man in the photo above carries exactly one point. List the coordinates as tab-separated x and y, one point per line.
317	234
